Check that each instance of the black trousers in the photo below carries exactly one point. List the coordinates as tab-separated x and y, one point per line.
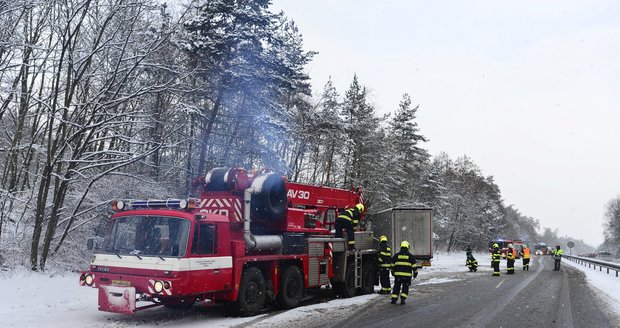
510	266
495	265
401	288
557	265
348	226
526	264
384	278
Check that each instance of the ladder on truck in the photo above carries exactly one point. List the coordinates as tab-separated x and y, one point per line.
358	269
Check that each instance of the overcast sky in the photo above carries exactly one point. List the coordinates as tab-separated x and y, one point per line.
529	90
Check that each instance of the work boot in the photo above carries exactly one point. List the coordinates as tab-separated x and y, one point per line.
402	302
393	301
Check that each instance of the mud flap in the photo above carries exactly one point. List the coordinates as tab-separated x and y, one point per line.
117	299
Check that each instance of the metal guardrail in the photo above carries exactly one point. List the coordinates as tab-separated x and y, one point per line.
594	263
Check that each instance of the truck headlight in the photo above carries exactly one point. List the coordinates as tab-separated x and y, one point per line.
158	286
89	279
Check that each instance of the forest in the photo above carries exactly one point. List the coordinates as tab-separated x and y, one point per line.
104	100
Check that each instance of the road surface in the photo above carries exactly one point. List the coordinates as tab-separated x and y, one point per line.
539	297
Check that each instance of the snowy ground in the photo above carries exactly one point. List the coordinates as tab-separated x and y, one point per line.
57	300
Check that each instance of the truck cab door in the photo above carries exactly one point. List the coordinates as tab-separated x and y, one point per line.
209	270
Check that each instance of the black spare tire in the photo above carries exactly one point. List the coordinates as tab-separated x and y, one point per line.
214	180
269	197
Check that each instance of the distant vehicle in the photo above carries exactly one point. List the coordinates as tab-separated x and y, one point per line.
539	252
542	247
605	255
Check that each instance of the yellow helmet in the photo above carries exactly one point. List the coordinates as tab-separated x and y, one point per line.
404	244
360	207
383	238
495	245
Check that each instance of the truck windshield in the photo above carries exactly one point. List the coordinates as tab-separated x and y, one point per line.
147	236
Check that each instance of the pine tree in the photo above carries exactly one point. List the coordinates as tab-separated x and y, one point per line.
410	158
360	126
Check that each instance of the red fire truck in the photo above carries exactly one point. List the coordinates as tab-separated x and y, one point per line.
249	239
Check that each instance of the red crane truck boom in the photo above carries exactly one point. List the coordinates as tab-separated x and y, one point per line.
250	239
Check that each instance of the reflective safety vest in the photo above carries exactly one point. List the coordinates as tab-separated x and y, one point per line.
511	254
557	254
526	253
404	265
349	214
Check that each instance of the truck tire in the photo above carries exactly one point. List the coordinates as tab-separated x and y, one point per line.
269	198
251	298
368	279
291	288
346	288
214	180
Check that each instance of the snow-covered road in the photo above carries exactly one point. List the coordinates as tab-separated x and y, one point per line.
55	299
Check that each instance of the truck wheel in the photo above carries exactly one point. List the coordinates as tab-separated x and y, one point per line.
269	198
368	279
347	288
291	288
251	292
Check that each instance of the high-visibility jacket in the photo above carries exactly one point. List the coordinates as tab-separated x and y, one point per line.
385	256
404	265
557	254
496	255
526	253
350	214
511	254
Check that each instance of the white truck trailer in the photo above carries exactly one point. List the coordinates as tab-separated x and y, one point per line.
413	224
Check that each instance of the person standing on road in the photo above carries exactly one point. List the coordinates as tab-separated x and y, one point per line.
348	220
496	256
511	254
526	255
385	264
557	256
403	269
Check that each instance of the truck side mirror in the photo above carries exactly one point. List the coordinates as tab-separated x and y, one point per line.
89	244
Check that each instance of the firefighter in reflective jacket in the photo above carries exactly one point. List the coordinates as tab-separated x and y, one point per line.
403	269
471	263
557	256
347	220
511	254
526	255
385	264
496	256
